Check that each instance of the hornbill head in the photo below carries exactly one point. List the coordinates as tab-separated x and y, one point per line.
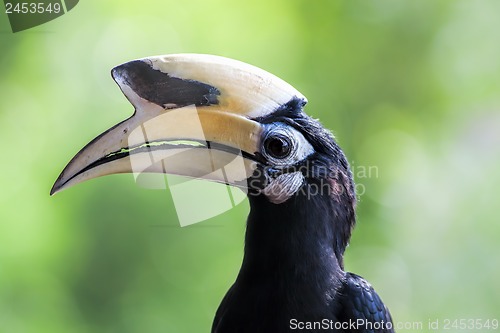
214	118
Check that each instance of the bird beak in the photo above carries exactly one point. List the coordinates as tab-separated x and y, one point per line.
194	116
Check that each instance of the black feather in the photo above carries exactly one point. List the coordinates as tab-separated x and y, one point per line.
360	304
293	263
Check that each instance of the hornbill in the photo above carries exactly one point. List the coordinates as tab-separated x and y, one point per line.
214	118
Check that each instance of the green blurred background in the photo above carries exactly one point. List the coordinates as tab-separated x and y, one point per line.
411	90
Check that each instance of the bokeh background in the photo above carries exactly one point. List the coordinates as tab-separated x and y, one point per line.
411	90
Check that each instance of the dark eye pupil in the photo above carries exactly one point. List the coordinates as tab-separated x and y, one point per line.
277	147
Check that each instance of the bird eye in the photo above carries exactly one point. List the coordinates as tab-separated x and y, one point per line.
282	145
278	146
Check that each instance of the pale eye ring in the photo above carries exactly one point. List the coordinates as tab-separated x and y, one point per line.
278	146
283	146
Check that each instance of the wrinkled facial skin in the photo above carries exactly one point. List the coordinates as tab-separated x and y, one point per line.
283	150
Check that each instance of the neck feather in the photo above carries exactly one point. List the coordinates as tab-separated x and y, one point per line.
300	240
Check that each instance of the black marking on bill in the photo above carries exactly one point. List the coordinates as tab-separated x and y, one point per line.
161	145
163	89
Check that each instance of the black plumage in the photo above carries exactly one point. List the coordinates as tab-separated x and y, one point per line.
300	187
292	270
360	302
